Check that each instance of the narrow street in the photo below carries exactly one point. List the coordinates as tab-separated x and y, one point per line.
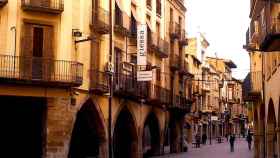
217	151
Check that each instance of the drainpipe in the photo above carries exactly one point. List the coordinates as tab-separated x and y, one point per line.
263	91
13	28
110	82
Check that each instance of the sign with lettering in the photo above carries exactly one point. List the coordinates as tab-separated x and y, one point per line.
144	75
142	44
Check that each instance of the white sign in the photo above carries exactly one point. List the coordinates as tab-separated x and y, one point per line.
214	118
142	44
144	75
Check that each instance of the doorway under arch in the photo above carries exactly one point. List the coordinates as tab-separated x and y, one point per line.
125	142
151	136
88	136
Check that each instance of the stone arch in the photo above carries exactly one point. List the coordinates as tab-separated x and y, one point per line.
89	134
151	136
125	138
270	130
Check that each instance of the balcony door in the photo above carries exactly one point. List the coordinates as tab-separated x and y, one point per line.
37	63
37	52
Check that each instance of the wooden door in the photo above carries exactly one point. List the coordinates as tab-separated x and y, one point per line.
37	55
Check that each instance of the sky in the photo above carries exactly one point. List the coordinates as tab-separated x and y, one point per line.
224	23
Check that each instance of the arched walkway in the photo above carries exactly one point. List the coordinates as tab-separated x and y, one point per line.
270	131
262	130
151	136
88	136
125	142
175	132
256	134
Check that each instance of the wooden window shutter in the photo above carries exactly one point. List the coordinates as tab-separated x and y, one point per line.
26	51
48	55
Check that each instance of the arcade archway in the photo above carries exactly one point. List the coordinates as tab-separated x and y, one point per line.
125	142
271	133
88	136
151	136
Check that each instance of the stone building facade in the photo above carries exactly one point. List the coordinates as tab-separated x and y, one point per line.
54	82
263	46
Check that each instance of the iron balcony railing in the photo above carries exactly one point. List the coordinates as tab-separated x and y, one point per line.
174	30
126	85
49	6
180	102
159	45
256	82
183	41
121	23
269	31
158	95
100	21
40	70
99	82
184	68
174	62
3	2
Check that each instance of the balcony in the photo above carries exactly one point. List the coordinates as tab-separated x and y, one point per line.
180	104
100	21
47	6
174	30
40	71
158	95
159	46
126	86
3	2
270	35
184	68
183	41
99	82
174	62
255	84
120	26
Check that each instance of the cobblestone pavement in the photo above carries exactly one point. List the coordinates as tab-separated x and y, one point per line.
217	151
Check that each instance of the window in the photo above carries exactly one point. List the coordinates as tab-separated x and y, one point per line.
118	16
149	4
158	7
158	74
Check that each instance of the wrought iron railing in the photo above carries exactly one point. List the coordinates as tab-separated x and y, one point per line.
99	81
159	95
183	41
256	81
40	70
174	62
100	20
52	6
174	30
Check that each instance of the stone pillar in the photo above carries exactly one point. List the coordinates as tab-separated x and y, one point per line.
261	139
270	138
257	146
277	130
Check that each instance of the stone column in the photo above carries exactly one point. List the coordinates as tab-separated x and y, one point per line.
257	146
277	130
270	136
261	139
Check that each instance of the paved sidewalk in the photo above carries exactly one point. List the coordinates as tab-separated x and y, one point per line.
217	151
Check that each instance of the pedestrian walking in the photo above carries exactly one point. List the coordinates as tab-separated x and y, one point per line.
249	139
197	139
204	138
231	141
